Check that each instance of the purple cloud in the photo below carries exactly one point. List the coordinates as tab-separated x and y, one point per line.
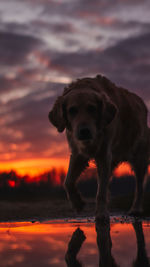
48	43
14	48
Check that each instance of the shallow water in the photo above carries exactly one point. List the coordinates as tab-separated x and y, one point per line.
80	242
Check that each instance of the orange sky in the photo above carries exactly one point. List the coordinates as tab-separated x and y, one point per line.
34	166
40	165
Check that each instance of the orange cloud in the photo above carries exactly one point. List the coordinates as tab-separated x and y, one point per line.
34	166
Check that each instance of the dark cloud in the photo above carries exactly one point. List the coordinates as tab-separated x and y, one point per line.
77	39
14	48
29	117
127	63
6	84
9	84
14	27
61	28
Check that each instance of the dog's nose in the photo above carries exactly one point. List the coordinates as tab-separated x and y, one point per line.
84	133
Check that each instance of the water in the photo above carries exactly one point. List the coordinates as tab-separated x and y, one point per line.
46	244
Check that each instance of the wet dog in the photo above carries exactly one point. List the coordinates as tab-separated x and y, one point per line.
105	123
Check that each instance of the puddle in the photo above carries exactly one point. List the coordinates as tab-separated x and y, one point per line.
80	242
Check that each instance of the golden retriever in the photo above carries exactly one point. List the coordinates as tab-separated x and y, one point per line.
105	123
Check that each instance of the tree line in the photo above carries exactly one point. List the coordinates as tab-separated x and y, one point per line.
50	185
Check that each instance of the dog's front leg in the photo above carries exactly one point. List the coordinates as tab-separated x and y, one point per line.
104	173
76	166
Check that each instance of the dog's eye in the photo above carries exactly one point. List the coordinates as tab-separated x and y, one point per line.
73	111
91	109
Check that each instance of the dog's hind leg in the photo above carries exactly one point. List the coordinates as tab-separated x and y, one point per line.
140	165
77	164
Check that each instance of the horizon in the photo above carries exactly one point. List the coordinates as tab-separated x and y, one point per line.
25	168
123	169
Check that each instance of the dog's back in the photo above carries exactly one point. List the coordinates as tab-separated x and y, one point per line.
131	127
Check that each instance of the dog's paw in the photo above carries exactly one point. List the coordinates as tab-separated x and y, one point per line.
135	212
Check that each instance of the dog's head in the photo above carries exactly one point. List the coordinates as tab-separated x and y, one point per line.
84	113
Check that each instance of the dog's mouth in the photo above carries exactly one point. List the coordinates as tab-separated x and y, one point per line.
87	147
87	141
86	144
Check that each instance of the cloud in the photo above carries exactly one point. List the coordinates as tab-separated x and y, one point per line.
26	122
14	48
126	62
19	11
45	44
130	10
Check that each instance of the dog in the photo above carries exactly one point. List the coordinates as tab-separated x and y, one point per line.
105	123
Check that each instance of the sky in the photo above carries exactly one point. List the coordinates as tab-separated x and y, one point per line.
44	45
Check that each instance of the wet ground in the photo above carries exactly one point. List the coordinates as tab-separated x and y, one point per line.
122	242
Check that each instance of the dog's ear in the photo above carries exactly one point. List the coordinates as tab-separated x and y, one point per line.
56	115
106	111
109	112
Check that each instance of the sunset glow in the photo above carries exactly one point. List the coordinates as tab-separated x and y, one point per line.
45	244
38	166
40	53
123	169
34	166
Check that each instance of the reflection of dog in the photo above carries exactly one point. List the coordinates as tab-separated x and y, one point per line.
104	247
105	123
104	243
74	246
142	258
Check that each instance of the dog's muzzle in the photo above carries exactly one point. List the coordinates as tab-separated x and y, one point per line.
84	133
